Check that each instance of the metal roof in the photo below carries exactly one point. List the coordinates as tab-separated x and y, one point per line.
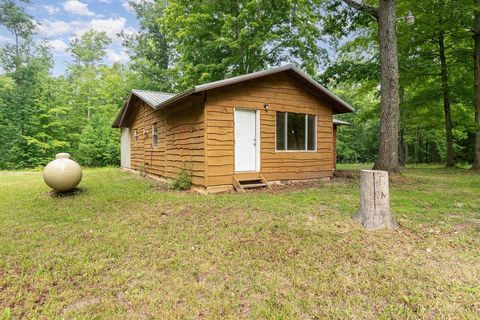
152	98
344	107
340	122
159	100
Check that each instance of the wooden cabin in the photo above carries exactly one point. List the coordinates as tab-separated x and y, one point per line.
248	131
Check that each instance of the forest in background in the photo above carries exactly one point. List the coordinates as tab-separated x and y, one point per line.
184	43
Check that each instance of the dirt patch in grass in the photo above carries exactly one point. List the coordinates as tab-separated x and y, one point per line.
347	174
81	304
288	186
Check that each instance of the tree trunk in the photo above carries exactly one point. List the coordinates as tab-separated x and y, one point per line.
374	212
401	148
401	143
388	141
17	50
446	100
405	148
476	37
416	145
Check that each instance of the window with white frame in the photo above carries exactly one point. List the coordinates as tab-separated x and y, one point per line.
155	135
135	135
296	132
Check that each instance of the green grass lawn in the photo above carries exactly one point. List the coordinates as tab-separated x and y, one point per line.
124	249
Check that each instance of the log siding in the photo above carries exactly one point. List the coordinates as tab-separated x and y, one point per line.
281	93
196	130
180	140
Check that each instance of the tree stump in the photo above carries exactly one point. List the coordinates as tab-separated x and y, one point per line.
374	212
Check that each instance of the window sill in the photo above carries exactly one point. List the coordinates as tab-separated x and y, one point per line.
298	151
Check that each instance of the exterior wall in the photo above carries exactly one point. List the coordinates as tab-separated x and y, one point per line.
334	147
282	94
180	140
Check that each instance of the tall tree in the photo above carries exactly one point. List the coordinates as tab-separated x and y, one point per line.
390	108
149	49
88	50
420	67
446	98
436	52
385	19
476	55
20	24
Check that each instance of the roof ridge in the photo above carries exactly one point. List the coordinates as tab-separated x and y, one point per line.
283	67
143	90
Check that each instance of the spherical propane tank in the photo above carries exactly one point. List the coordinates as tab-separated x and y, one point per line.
62	174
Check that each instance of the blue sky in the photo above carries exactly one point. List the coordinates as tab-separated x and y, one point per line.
60	20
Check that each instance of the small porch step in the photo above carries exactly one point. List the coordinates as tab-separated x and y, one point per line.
249	181
253	185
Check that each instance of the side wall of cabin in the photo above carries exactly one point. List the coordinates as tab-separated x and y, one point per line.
282	94
180	140
335	127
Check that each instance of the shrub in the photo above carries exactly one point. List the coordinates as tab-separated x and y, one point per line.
183	180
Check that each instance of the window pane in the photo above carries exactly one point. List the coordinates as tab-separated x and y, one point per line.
280	130
155	135
295	131
311	132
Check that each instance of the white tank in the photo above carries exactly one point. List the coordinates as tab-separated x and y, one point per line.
62	174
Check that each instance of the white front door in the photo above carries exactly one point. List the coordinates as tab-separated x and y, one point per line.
246	133
125	154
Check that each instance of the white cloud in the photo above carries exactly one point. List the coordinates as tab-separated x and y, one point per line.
51	10
111	26
57	45
5	39
50	28
77	7
115	56
126	4
105	1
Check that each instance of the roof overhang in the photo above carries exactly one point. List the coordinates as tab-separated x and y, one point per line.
340	122
151	98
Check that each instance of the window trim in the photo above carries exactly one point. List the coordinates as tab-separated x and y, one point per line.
154	134
306	132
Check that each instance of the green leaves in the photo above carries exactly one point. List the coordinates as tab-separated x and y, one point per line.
354	36
14	18
89	49
211	40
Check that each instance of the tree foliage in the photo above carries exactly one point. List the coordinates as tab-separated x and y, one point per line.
41	115
211	40
422	123
183	43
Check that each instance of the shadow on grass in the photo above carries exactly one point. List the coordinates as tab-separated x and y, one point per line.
63	194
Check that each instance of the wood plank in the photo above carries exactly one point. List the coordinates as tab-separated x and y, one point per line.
181	141
236	184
